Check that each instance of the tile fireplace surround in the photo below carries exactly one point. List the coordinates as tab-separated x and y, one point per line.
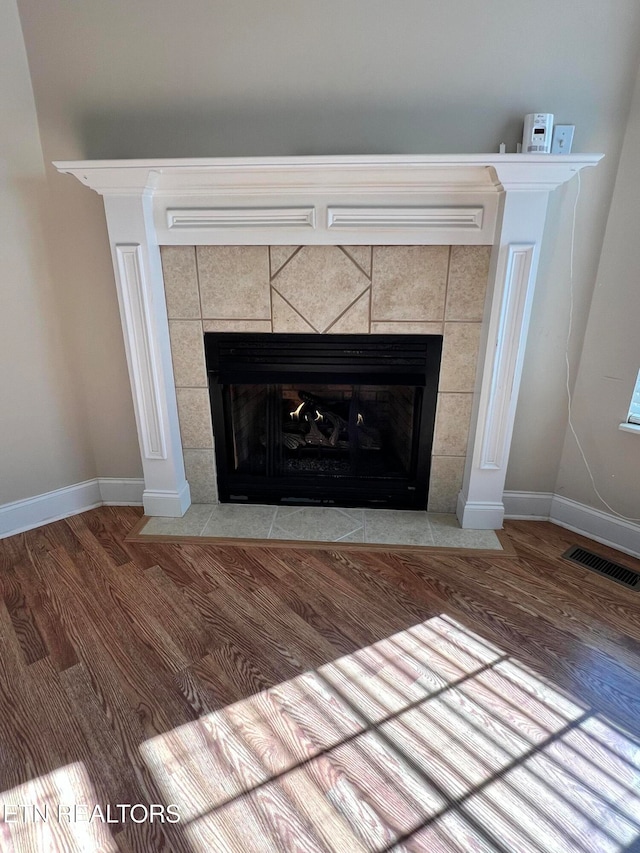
429	244
431	290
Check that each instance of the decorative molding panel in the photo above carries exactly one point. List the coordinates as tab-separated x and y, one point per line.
139	330
507	351
459	218
241	217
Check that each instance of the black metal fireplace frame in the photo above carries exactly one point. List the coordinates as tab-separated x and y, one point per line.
272	359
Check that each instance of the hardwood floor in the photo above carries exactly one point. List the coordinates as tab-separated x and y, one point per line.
314	700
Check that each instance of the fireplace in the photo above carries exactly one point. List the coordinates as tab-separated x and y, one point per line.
497	201
302	419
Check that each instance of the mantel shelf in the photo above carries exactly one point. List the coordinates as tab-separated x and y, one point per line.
437	172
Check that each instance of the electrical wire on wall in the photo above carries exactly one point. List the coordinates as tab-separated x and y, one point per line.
568	373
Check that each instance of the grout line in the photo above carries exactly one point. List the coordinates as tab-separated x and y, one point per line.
207	521
233	319
347	309
446	286
350	533
344	512
195	249
354	262
273	521
311	326
288	261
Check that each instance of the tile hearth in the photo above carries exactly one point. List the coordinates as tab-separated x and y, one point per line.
322	524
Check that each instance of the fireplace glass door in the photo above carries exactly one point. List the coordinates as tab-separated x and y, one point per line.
363	438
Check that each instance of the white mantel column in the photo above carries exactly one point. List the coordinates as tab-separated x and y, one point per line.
138	273
512	275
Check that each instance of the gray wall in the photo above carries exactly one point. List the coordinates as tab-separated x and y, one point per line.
611	355
44	444
201	77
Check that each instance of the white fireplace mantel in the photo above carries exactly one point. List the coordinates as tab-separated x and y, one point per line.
495	199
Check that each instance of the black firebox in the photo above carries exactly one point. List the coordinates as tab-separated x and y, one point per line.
343	420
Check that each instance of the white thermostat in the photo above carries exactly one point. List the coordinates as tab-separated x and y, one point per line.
538	128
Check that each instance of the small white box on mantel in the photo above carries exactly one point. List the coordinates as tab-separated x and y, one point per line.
536	137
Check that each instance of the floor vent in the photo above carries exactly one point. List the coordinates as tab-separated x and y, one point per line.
599	564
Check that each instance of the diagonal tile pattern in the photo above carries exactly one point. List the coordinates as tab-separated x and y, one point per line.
320	282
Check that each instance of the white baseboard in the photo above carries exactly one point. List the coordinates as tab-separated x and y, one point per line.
526	506
18	516
597	525
479	515
24	515
601	526
33	512
121	492
168	504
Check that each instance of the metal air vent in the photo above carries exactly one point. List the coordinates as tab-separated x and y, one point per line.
618	573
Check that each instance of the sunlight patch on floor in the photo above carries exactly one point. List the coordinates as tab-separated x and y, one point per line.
51	812
432	739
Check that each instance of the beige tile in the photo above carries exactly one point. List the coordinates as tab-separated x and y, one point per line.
355	320
191	523
445	483
360	255
406	328
409	282
319	524
467	285
320	282
200	470
452	424
242	522
180	282
234	282
187	353
459	356
285	319
236	325
278	257
356	536
447	533
194	413
397	527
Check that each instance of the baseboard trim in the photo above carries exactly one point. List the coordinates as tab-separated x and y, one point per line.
117	491
19	516
593	523
479	515
167	503
601	526
527	506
